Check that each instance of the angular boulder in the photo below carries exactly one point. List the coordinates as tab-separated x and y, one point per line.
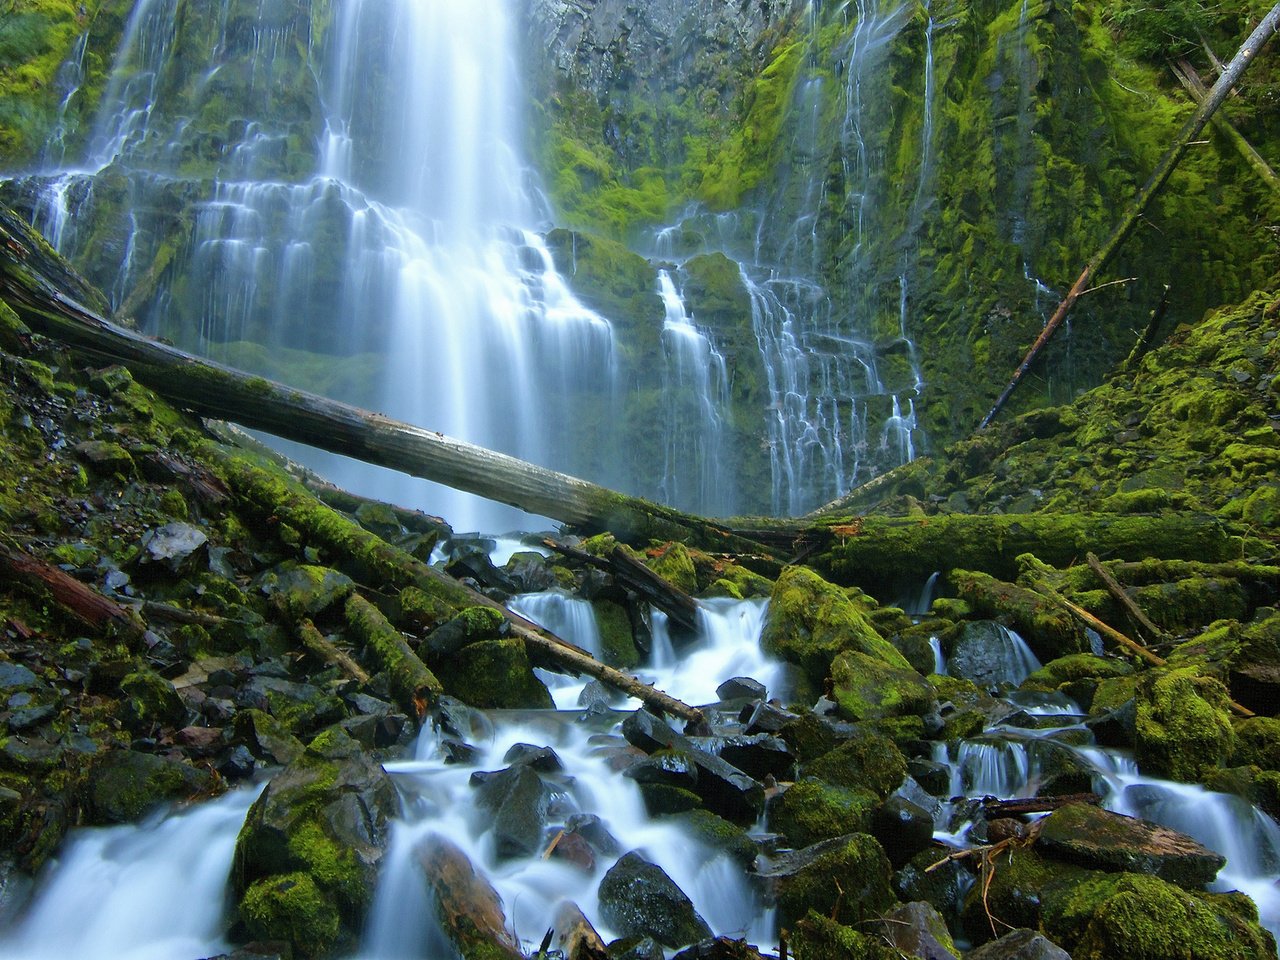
638	899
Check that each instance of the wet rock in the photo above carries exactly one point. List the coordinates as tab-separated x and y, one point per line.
766	718
670	767
177	546
724	789
200	741
362	703
496	674
573	848
934	777
811	811
866	688
942	884
903	829
638	899
758	756
267	738
15	677
301	707
452	716
850	873
238	764
300	590
1117	727
516	800
982	654
455	751
592	829
918	930
469	909
1020	945
718	834
636	948
530	572
125	784
542	759
1093	837
308	854
741	688
467	627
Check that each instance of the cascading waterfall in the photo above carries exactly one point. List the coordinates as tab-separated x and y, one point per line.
411	238
695	389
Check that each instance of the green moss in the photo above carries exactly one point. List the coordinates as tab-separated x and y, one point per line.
1257	742
815	937
331	866
673	563
866	688
867	761
810	621
495	674
290	908
848	881
1077	666
617	642
1184	729
811	810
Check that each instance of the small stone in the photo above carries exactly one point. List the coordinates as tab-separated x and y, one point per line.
172	545
741	688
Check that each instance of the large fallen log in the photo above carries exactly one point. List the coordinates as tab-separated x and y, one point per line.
213	390
681	608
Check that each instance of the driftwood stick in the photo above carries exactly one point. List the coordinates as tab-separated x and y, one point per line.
75	598
1126	601
164	611
993	808
1119	638
1188	77
1247	53
319	645
1148	335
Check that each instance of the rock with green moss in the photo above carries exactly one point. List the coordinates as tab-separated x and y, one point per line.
1145	918
810	621
302	590
846	878
291	908
1183	727
719	834
866	760
810	810
495	674
325	820
867	688
267	738
815	937
617	639
1257	743
125	784
149	701
673	563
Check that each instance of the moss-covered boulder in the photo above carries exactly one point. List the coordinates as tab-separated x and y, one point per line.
125	784
1183	727
810	621
867	761
150	702
1048	629
308	854
495	674
1144	918
846	878
815	937
673	563
867	688
1257	743
810	811
304	590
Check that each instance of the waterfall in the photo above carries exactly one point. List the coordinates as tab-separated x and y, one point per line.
394	224
695	388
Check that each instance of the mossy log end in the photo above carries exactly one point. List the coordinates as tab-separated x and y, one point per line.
34	290
870	551
415	687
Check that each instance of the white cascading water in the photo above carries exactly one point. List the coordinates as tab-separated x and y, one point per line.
695	388
154	891
414	232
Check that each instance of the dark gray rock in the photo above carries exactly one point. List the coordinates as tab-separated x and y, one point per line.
934	777
918	930
637	898
982	654
125	784
903	829
766	718
175	546
542	759
724	788
517	800
15	677
741	688
1020	945
670	767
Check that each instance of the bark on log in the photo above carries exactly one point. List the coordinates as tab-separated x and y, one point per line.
679	607
1012	808
319	646
468	908
1126	601
75	598
213	390
414	686
878	550
1247	53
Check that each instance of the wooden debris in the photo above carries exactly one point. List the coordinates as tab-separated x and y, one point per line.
1126	601
319	645
75	598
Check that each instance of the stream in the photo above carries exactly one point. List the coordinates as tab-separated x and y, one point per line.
158	890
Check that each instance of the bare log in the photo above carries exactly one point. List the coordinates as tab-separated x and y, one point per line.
1189	79
1126	601
318	645
994	808
1247	53
75	598
213	390
468	908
